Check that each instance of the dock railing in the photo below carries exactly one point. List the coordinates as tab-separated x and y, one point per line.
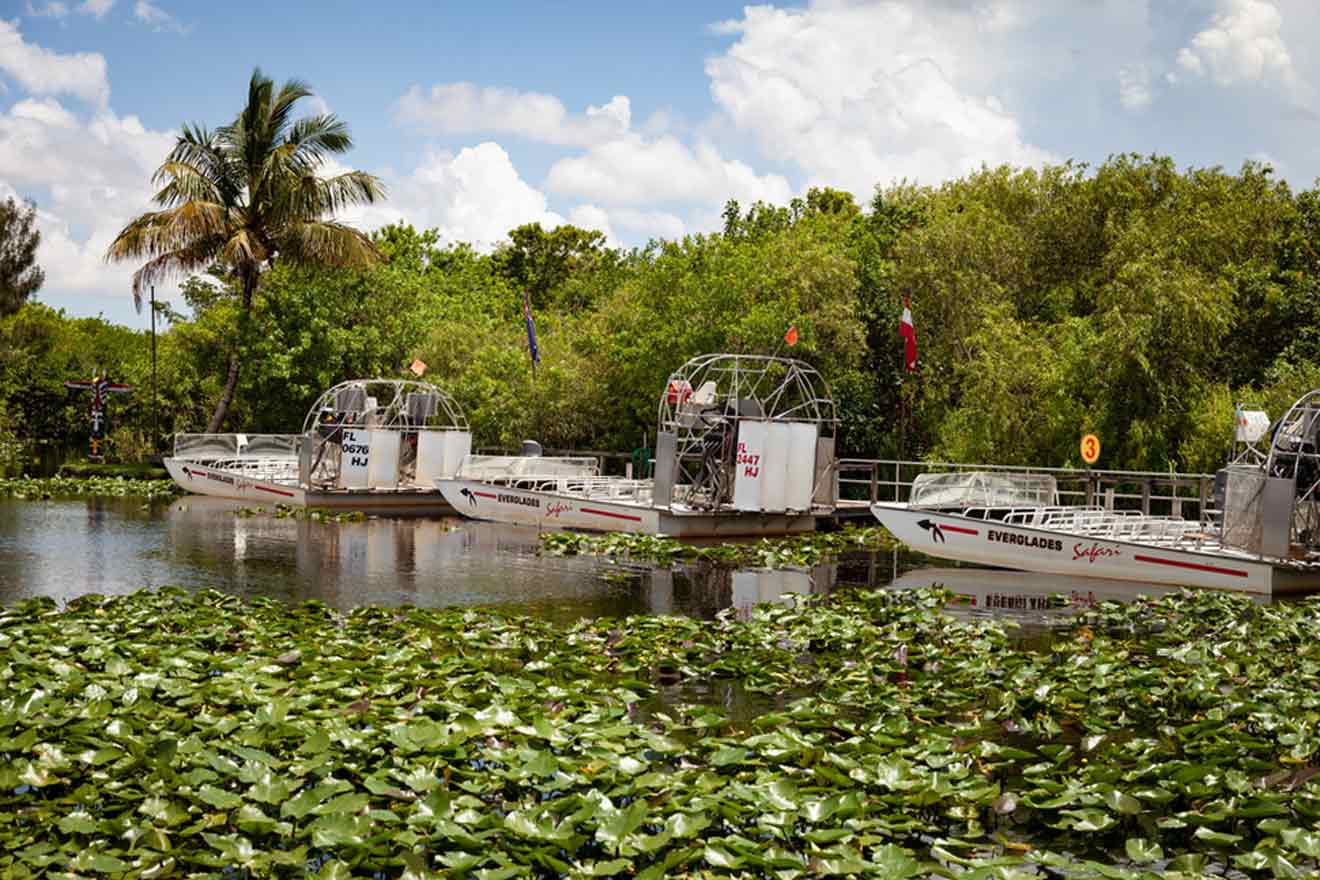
1190	496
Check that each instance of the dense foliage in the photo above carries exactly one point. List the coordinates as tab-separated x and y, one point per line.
1133	300
168	735
20	276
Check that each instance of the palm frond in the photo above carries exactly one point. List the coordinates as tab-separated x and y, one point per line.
281	109
185	183
314	137
326	242
243	249
184	261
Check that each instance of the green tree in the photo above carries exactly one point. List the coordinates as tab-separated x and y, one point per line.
539	261
20	276
247	194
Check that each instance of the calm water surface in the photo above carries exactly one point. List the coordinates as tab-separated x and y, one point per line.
68	548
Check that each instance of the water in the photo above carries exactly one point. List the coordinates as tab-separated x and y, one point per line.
67	548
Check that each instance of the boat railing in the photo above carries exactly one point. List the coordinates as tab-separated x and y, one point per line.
1148	492
213	448
527	472
606	489
268	470
1101	524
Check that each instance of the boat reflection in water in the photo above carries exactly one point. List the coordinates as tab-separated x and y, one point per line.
1027	597
446	562
64	549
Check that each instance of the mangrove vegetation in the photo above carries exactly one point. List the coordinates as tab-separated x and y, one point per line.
1133	300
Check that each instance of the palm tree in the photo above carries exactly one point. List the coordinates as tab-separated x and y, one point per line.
243	195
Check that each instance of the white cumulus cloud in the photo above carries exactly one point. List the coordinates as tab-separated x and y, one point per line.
860	94
1242	43
90	175
633	170
465	108
40	71
474	196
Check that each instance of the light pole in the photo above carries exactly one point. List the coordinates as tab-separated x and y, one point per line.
155	415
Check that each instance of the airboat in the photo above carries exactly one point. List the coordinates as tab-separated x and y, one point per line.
744	447
371	445
1263	537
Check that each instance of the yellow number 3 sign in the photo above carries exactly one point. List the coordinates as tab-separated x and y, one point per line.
1090	449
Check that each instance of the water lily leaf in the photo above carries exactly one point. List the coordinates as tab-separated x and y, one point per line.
622	823
1087	820
1122	803
894	863
339	829
504	873
827	835
270	789
782	795
1141	850
107	864
820	810
1252	861
542	764
1219	838
684	825
309	799
1305	842
728	755
720	857
218	797
607	869
352	802
252	821
335	870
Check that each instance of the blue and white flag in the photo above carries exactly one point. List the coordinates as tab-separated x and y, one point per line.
531	332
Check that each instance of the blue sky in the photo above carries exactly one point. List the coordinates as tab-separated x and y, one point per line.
638	121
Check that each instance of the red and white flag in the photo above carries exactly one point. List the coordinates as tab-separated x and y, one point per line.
909	334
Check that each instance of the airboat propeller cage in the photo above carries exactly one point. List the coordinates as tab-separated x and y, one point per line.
1274	509
378	433
768	421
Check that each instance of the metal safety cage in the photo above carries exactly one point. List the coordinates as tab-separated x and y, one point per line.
706	398
401	405
1295	456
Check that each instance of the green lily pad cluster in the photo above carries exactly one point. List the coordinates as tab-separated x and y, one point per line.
797	550
167	734
42	488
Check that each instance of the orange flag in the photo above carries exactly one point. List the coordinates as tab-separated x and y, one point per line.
418	366
791	336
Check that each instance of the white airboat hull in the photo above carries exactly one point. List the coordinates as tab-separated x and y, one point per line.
988	542
223	483
546	510
555	511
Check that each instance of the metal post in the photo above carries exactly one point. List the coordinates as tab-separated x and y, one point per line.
155	409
